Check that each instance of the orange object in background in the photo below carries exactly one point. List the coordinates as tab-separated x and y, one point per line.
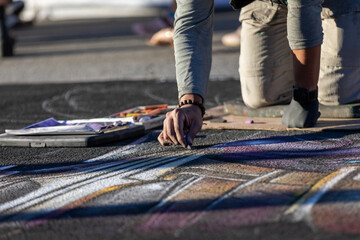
151	110
162	106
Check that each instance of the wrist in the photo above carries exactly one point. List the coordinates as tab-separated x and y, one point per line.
192	99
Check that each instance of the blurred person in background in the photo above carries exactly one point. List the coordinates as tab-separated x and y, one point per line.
300	52
6	41
161	30
9	12
232	39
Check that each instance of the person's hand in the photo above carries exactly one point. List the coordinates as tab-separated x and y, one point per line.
188	119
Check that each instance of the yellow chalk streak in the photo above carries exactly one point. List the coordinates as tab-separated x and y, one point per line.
170	177
319	186
83	200
79	202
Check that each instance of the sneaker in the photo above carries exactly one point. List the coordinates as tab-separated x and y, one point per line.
232	39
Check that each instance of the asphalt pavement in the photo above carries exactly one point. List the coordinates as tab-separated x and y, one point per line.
233	184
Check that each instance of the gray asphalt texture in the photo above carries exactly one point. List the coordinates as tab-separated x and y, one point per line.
233	185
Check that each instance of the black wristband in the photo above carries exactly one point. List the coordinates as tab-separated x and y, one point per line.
304	96
190	102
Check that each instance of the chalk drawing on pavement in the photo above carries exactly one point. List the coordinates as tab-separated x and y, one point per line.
301	210
292	152
243	183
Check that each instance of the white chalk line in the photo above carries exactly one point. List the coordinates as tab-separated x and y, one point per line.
186	184
115	154
46	106
155	173
94	169
251	136
83	179
357	177
76	171
73	180
68	96
301	210
70	183
7	174
214	170
122	151
241	186
149	94
178	189
56	191
229	194
62	194
56	200
211	176
64	197
7	167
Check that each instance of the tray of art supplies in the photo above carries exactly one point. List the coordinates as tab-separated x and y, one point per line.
123	125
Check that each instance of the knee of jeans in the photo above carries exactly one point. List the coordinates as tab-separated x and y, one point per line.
260	99
254	101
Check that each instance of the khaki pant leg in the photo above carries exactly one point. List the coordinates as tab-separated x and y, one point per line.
339	81
265	65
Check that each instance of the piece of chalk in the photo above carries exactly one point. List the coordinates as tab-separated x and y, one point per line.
189	147
249	121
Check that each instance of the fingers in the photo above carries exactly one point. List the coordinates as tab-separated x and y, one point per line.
175	123
169	132
179	130
194	129
168	135
161	139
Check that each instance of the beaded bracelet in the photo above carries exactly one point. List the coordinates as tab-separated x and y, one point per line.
200	105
